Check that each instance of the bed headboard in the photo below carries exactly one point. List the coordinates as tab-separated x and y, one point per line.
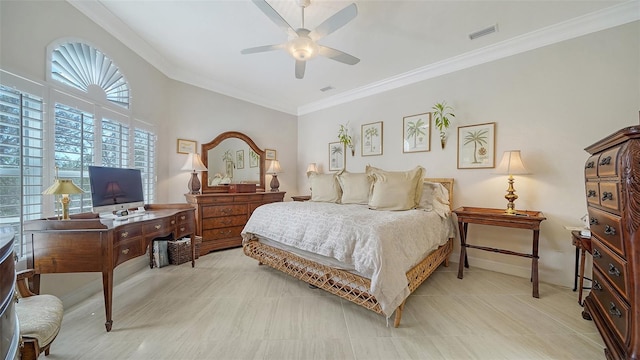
448	183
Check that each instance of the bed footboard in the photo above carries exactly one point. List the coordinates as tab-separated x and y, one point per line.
339	282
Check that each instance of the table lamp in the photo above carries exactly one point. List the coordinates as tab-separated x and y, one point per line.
194	164
274	169
511	164
63	187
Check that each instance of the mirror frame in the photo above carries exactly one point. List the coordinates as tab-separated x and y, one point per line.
204	154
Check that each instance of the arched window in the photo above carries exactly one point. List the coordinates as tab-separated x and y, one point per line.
88	69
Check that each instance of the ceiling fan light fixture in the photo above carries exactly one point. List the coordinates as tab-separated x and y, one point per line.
303	48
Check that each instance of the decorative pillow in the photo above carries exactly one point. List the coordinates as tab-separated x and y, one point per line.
355	187
435	197
395	190
324	187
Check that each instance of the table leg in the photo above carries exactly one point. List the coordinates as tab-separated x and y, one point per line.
466	256
575	276
463	249
534	263
581	276
107	285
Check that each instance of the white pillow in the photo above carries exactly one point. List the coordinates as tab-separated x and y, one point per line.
324	187
435	197
355	187
399	190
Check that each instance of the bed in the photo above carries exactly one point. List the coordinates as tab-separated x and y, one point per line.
382	266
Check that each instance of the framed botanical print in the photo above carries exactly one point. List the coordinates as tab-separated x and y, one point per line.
371	141
477	146
416	133
254	159
269	154
336	156
186	146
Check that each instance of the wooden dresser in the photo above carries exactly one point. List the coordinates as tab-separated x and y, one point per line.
9	331
612	187
220	217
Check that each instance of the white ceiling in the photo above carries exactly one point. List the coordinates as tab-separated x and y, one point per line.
398	41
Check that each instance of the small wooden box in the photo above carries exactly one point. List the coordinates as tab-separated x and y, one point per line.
242	188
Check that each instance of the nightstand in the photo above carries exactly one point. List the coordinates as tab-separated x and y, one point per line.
523	219
301	198
583	246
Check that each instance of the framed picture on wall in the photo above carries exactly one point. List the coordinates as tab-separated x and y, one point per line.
416	133
186	146
371	141
336	156
269	154
477	146
254	159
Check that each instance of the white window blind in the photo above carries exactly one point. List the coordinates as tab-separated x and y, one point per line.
144	160
115	144
21	159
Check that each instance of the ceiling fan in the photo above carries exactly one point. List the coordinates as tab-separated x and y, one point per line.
303	44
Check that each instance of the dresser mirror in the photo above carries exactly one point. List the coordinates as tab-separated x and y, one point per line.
232	157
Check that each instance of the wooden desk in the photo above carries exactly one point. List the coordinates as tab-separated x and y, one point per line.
87	243
497	217
583	245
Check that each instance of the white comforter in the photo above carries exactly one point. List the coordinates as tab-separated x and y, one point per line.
380	245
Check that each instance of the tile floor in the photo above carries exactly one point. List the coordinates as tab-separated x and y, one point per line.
228	307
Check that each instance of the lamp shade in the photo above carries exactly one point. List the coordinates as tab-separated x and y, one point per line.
274	167
511	164
63	186
312	168
194	163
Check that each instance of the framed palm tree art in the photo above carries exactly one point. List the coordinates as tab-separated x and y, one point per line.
336	156
477	146
416	133
371	139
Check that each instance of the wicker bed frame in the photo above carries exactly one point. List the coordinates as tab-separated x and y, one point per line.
342	283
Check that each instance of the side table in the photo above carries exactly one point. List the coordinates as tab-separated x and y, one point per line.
523	219
583	246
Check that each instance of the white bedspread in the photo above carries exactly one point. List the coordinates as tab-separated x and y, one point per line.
380	245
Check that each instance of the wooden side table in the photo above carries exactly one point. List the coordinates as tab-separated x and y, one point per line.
524	219
583	246
301	198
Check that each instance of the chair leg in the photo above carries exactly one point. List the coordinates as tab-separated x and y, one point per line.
581	284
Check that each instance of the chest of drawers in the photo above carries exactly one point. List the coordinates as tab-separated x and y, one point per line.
220	217
612	189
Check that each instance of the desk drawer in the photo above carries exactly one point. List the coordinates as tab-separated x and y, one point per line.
224	210
608	228
160	227
184	229
611	265
128	232
185	217
127	249
223	233
615	310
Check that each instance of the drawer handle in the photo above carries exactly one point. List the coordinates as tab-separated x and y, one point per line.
590	165
125	251
613	310
593	221
173	222
613	270
596	254
605	160
609	230
182	217
592	193
226	222
607	196
158	227
223	232
226	211
597	286
181	229
124	234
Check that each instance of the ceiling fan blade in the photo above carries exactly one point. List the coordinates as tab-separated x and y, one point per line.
259	49
335	22
338	55
300	65
274	16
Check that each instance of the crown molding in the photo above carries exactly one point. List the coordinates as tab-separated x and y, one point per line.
617	15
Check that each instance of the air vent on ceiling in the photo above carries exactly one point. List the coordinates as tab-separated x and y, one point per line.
326	88
490	30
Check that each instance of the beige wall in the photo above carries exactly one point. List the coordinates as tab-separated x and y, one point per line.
550	103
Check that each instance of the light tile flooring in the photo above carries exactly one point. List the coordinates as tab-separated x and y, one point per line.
228	307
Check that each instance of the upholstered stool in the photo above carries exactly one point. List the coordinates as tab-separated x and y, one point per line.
39	318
